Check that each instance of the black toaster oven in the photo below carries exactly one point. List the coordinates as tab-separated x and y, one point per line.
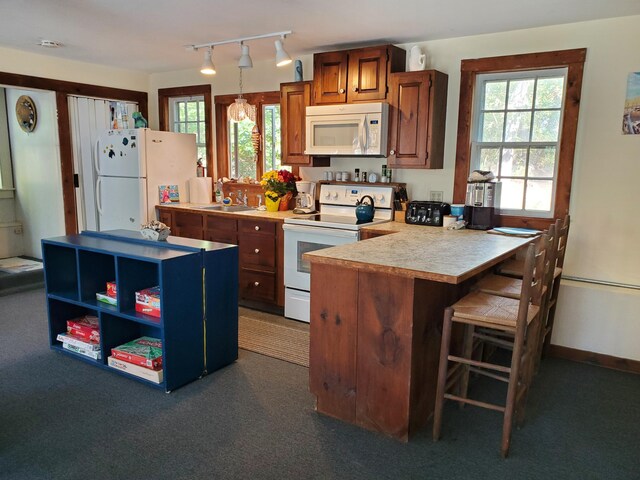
426	213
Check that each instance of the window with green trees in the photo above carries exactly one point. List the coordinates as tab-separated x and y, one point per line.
188	116
516	135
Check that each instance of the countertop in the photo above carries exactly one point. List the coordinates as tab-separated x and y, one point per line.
430	253
198	208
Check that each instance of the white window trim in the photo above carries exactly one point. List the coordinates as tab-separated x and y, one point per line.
173	121
481	79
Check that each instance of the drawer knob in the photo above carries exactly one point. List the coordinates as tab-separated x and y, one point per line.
256	284
257	250
355	89
392	152
341	90
257	228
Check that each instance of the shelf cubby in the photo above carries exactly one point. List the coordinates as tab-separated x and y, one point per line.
96	269
61	278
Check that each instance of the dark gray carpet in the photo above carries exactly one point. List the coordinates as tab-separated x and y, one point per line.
63	419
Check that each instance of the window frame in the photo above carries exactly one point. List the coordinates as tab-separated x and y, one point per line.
221	102
573	60
7	188
173	121
165	94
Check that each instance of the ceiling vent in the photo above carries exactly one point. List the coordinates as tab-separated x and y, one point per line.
50	44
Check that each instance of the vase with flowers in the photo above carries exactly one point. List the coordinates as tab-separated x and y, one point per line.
279	185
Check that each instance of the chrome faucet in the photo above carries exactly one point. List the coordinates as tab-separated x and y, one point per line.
242	199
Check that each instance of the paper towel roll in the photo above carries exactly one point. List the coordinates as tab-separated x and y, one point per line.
200	190
448	220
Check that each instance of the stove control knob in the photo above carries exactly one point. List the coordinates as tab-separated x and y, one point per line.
335	195
380	197
327	195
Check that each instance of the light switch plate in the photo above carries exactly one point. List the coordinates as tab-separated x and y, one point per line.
435	196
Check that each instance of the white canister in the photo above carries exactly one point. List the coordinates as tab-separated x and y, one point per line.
345	176
449	220
328	175
338	176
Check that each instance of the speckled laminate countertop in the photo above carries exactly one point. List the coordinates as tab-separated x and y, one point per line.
200	208
431	253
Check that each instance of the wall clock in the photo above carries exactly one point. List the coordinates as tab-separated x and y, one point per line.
26	113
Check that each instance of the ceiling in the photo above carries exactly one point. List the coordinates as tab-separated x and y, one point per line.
151	35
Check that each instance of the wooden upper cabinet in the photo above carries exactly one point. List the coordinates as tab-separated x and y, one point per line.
417	115
358	75
294	99
330	77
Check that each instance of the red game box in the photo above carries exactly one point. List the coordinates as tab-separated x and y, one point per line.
111	289
86	327
148	301
144	351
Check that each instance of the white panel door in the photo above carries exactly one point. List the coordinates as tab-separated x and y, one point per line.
122	203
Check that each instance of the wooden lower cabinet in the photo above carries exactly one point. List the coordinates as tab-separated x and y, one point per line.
261	248
187	224
366	234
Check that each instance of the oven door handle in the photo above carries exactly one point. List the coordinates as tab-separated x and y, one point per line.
332	232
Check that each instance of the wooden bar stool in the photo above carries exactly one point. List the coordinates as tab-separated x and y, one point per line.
547	325
511	287
519	318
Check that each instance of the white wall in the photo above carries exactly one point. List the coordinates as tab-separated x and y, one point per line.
48	66
36	171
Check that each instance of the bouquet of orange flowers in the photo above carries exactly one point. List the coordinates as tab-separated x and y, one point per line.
277	183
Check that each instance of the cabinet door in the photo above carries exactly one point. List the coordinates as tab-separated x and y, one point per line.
367	74
417	102
330	77
294	98
166	218
188	225
218	228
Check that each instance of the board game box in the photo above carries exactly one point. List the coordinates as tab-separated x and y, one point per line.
78	342
86	327
95	354
154	376
148	301
144	351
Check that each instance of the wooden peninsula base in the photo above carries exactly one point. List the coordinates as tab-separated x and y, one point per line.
376	327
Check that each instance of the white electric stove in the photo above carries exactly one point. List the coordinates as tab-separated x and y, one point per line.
336	224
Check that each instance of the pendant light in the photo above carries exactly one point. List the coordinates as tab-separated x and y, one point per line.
282	57
208	68
241	110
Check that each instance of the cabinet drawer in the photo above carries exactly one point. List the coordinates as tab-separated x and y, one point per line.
221	236
258	250
218	222
260	286
257	226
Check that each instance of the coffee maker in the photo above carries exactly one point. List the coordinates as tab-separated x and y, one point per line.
306	198
481	203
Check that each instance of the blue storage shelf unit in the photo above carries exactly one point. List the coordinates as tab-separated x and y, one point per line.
198	283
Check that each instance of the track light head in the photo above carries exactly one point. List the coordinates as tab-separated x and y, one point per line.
245	59
282	57
208	68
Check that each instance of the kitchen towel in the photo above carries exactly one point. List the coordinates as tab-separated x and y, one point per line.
200	190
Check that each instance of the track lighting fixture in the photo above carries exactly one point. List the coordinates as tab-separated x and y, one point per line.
282	57
245	59
208	68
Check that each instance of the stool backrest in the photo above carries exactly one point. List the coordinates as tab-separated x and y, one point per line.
533	277
563	235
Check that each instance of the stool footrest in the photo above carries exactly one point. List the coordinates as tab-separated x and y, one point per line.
490	406
477	363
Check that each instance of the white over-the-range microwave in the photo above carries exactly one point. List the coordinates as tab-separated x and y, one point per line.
348	129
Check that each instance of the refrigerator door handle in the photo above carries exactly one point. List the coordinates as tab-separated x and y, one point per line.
98	182
95	160
156	140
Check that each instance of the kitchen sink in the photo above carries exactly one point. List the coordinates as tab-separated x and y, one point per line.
228	208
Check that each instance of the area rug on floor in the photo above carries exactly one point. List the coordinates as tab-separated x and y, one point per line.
19	265
273	340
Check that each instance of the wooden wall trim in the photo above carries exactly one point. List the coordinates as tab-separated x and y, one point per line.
190	90
592	358
574	61
62	89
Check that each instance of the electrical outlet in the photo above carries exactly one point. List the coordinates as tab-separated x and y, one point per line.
18	230
435	196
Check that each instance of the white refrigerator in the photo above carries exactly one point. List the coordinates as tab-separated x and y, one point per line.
130	165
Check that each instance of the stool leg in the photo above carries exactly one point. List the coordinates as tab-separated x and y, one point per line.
512	392
442	372
467	352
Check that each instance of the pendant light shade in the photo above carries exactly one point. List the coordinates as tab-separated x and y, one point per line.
245	60
240	109
282	57
208	68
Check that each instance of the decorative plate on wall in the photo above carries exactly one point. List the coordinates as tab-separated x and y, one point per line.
26	113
